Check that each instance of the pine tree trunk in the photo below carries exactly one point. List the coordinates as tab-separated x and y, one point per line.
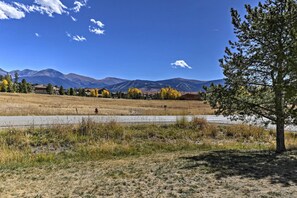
280	137
280	121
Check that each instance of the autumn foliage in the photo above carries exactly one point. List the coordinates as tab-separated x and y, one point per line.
94	93
134	93
169	93
105	94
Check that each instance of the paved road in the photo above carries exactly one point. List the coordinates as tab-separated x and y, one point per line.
27	121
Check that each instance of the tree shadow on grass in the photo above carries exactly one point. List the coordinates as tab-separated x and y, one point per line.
249	164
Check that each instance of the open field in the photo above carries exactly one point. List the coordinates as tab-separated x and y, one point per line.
188	159
38	104
179	174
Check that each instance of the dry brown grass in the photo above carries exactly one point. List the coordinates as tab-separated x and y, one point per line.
189	159
38	104
90	141
179	174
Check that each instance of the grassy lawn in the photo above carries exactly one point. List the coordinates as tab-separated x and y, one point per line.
39	104
193	159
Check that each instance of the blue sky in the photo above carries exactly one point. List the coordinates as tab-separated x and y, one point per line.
132	39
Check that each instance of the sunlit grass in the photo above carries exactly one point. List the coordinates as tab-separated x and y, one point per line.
92	141
39	104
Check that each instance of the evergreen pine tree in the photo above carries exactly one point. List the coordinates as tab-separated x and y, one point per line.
260	67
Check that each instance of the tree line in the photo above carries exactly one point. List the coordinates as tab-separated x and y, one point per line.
13	85
9	84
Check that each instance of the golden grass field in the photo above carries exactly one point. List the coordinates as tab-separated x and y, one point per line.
38	104
187	159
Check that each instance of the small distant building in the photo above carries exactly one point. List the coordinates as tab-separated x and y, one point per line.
100	92
88	91
40	89
190	96
56	90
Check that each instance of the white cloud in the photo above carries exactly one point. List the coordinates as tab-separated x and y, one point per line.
17	10
180	63
8	11
79	5
28	9
98	28
76	37
73	19
37	35
79	38
68	35
98	23
25	8
48	7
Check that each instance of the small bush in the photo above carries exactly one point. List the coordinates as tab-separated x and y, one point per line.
86	127
15	139
182	122
210	131
199	123
113	130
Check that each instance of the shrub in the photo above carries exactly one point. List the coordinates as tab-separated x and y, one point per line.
86	127
210	131
199	123
182	122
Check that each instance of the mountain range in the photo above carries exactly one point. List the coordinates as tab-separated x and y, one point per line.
113	84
